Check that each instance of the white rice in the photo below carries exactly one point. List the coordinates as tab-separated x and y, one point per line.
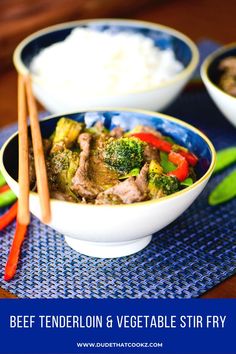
101	63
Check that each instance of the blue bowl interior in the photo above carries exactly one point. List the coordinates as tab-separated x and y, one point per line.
163	40
127	120
213	71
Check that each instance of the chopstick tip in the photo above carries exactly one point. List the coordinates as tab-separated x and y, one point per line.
46	219
8	276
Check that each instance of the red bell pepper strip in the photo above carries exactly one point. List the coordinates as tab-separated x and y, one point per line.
4	188
165	146
189	156
160	144
14	254
182	170
8	217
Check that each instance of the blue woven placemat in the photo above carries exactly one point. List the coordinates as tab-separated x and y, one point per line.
184	260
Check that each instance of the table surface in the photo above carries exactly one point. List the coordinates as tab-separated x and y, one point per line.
198	20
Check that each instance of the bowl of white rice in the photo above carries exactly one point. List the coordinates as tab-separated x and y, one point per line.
106	63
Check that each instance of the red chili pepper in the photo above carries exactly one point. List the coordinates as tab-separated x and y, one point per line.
8	217
165	146
161	144
4	188
15	251
182	170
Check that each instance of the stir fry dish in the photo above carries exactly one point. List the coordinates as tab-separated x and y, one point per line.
98	166
228	78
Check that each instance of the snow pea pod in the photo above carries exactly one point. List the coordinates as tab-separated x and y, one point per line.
224	158
133	173
165	163
187	182
7	198
224	191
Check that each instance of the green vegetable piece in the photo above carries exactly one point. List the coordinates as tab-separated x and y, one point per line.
169	139
224	158
67	131
124	154
62	166
7	198
97	130
160	182
2	180
224	191
187	182
168	184
133	173
165	163
155	167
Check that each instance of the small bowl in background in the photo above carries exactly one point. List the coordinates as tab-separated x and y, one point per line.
109	231
156	98
210	74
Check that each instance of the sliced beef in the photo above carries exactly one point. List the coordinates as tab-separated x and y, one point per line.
130	191
47	144
32	174
117	132
84	141
142	179
99	172
127	191
99	126
151	153
81	183
110	199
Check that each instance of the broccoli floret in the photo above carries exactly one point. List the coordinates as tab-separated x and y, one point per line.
61	168
160	184
67	131
124	154
167	184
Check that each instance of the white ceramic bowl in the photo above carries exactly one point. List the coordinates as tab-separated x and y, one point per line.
210	75
154	99
118	230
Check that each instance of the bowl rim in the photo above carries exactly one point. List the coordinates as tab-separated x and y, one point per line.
206	64
22	68
136	204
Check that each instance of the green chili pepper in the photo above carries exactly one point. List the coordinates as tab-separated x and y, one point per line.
7	198
165	163
224	158
2	180
187	182
224	191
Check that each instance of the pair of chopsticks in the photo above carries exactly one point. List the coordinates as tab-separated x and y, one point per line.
26	98
25	95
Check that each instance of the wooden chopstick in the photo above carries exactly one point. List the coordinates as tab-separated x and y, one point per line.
39	160
23	215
